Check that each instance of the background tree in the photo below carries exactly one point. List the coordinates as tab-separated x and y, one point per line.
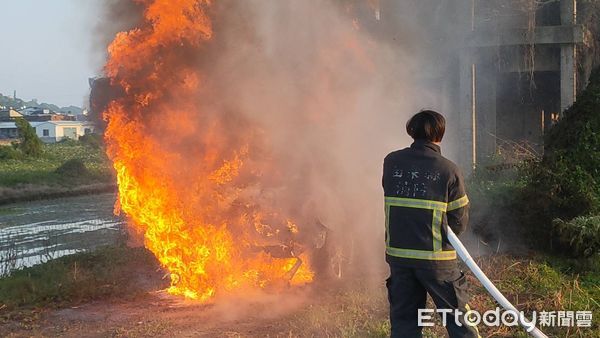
30	145
565	184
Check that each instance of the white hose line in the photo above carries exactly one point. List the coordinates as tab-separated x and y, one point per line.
499	297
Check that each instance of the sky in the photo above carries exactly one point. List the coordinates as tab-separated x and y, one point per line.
46	49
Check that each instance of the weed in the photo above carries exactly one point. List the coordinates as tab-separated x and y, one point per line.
104	273
581	235
564	184
42	170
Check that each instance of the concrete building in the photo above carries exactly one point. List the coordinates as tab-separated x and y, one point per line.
49	131
503	71
54	131
517	75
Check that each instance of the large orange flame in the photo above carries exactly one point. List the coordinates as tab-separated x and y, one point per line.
186	181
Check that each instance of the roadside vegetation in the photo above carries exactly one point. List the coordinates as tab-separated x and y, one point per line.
353	307
107	272
546	207
565	184
30	144
553	199
540	283
32	169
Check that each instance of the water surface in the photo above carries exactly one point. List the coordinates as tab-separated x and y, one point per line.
34	232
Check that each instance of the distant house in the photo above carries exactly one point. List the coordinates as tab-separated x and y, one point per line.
8	131
35	111
37	114
84	116
10	114
54	131
49	117
49	131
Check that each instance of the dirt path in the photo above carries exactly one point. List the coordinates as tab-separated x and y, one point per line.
159	314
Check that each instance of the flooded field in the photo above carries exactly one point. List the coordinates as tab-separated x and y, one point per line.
34	232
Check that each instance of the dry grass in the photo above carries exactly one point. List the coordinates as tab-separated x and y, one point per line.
538	284
355	307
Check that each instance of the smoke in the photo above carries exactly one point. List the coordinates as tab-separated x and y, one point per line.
331	89
321	91
114	16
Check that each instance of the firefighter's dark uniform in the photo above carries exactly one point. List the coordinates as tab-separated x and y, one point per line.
424	194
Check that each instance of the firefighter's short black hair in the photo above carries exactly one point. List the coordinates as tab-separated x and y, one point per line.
427	125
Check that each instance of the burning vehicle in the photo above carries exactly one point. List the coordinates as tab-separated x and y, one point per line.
253	248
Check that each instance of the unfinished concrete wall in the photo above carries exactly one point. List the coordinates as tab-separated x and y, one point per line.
522	55
500	70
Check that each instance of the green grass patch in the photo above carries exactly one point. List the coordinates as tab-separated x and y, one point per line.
543	283
115	271
42	170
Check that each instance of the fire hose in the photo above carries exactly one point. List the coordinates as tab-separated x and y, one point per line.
489	286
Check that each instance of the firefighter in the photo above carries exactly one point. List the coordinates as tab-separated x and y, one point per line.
424	194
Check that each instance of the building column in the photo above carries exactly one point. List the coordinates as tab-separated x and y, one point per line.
485	108
568	57
467	115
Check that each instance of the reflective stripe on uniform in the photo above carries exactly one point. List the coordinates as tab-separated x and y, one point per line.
436	230
438	209
457	204
427	204
387	224
421	254
415	203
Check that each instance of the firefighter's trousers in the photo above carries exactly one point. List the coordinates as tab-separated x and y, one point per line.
407	293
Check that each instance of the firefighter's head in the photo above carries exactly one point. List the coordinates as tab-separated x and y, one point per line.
427	125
